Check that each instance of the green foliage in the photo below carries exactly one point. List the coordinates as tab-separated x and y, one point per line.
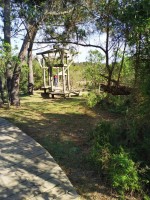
77	76
94	56
127	74
123	173
38	80
38	75
94	98
103	139
8	59
146	197
24	79
118	103
120	155
7	56
94	67
91	74
109	134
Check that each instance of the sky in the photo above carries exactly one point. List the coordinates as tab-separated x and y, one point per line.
82	51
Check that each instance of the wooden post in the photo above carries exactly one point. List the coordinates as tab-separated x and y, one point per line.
58	75
44	73
63	71
44	77
67	71
64	80
51	77
68	79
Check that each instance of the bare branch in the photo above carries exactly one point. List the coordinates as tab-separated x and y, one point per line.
106	77
71	42
40	48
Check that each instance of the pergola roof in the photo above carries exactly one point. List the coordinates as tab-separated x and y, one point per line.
53	51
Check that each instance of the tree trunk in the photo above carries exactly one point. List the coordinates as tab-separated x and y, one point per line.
109	78
7	45
15	85
30	75
107	57
1	91
17	70
9	79
122	62
7	23
137	60
32	35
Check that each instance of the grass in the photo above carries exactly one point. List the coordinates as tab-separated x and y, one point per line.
62	127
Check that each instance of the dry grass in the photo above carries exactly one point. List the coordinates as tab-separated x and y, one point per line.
62	127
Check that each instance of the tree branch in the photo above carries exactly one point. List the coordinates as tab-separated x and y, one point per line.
106	77
54	13
70	42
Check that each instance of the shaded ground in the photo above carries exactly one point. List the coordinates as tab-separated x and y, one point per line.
28	171
62	127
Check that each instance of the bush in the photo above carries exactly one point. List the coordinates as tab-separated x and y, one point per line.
123	173
117	104
94	98
109	156
104	140
110	133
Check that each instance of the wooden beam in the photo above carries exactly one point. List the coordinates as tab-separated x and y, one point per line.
68	79
44	77
53	51
51	78
63	72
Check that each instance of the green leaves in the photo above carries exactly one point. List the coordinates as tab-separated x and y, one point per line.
123	172
115	152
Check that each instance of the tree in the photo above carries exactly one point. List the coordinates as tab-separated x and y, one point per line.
7	42
41	11
6	47
94	67
7	23
106	23
100	17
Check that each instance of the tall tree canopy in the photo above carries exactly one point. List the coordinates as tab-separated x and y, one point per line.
33	15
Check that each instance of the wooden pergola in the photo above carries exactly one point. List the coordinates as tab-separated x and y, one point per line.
59	59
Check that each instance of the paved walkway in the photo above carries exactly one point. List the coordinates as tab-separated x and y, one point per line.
27	170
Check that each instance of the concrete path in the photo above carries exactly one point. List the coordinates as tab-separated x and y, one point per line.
27	170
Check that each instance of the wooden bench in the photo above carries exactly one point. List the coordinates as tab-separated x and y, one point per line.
60	94
45	89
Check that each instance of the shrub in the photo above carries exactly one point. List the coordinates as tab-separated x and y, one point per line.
146	197
117	104
123	173
108	153
104	140
94	98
